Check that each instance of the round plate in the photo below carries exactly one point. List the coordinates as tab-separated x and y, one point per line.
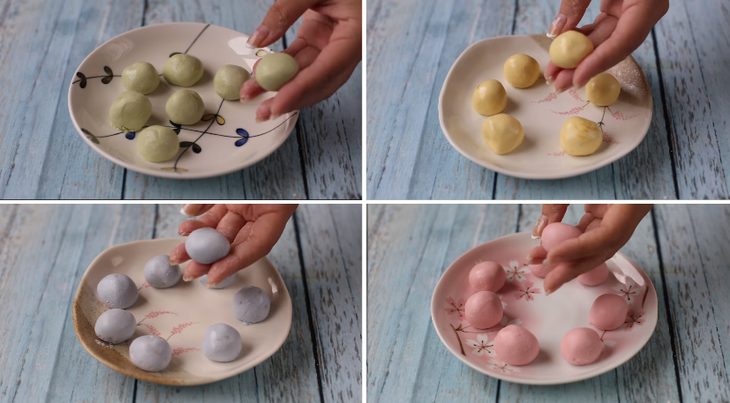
541	112
181	314
547	317
228	138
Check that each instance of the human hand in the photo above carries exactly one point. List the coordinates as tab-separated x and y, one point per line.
606	228
617	31
327	48
252	229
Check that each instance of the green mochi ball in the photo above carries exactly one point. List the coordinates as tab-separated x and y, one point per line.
130	111
274	70
228	81
185	107
157	144
183	70
141	77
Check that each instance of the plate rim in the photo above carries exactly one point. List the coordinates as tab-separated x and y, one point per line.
538	175
76	313
291	120
508	378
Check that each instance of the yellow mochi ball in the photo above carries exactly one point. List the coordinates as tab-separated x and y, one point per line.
489	98
580	137
502	133
569	48
521	70
603	90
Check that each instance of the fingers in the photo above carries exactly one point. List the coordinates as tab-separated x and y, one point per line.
179	254
192	210
587	244
209	219
550	213
194	270
277	20
254	242
569	15
230	224
251	89
536	255
627	34
563	80
564	272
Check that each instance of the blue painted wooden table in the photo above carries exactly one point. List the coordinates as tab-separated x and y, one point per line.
44	250
42	42
413	43
682	248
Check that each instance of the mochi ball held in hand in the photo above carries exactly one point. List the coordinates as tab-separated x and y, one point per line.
206	245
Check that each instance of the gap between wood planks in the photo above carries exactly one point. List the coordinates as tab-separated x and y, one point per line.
310	319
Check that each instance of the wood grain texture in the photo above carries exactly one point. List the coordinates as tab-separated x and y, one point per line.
408	158
685	360
45	249
690	43
42	157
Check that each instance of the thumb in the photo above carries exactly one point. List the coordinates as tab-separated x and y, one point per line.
569	15
278	19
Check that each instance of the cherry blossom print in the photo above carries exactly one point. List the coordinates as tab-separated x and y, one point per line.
526	291
633	319
516	272
455	307
481	345
628	292
572	111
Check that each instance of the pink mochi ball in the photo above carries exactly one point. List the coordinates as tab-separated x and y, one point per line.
483	309
581	346
487	276
556	233
515	345
540	270
608	312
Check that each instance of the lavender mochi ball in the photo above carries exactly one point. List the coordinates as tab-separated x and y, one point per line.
115	326
117	291
206	245
159	273
251	305
150	353
222	343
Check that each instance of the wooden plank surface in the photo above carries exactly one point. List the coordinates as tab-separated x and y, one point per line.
681	248
41	156
45	249
412	44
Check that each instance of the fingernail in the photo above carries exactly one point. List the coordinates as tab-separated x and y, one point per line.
274	117
557	26
209	284
259	35
539	226
559	90
548	291
188	278
183	233
547	262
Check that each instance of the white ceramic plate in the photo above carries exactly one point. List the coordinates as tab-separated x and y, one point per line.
547	317
227	140
181	314
541	112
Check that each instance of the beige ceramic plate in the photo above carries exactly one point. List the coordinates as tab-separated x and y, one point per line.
547	317
541	112
181	314
227	140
